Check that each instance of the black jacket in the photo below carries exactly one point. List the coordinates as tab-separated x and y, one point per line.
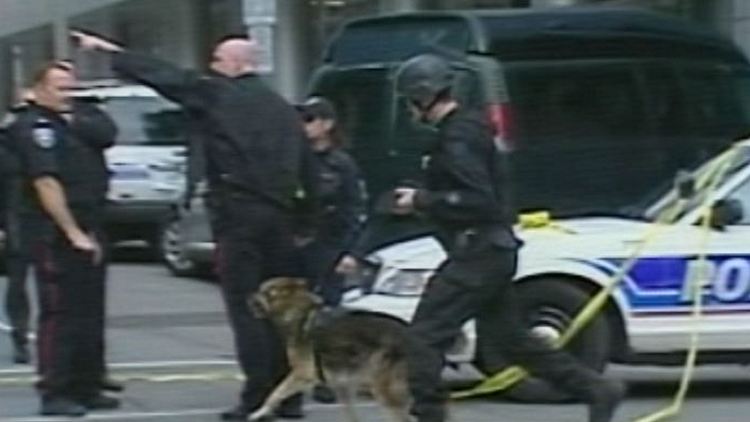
253	139
467	182
342	196
71	150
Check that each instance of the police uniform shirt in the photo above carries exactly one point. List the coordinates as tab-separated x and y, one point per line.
48	148
341	193
467	179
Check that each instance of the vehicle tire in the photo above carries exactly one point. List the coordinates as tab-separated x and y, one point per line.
548	306
171	251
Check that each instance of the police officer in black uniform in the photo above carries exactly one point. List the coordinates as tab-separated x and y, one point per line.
466	196
60	146
259	172
342	199
17	254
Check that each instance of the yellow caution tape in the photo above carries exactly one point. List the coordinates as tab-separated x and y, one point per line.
706	181
540	220
698	280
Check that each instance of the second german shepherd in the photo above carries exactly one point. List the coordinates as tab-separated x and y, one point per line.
348	351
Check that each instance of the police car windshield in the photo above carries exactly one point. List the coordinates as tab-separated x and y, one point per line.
665	198
146	121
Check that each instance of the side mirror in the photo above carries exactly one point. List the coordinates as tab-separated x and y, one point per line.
685	184
726	212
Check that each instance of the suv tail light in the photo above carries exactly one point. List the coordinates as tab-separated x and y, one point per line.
501	119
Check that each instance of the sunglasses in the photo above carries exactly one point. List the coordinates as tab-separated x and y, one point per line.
308	118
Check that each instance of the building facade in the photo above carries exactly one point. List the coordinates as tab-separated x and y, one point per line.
293	32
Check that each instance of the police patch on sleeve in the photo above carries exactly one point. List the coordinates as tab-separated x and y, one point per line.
44	137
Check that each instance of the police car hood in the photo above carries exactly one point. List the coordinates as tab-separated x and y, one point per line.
426	252
587	226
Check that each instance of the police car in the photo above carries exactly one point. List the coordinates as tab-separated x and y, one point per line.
147	162
647	318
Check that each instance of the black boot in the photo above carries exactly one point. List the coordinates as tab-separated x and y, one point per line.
434	412
58	406
605	400
237	413
100	402
291	408
109	384
322	393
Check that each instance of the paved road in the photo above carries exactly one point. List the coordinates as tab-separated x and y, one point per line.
171	330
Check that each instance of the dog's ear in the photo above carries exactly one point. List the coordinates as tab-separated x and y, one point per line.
300	283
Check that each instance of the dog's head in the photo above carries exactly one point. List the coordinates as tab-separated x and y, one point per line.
284	299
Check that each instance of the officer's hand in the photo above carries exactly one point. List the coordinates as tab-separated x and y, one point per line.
347	265
86	243
404	203
92	42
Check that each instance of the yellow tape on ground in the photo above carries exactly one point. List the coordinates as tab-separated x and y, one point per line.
706	182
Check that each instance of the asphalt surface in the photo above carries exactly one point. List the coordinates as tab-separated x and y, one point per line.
169	341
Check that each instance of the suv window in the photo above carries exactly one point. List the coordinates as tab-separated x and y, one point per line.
397	39
718	100
578	129
146	121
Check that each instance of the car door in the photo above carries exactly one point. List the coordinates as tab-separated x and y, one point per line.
659	289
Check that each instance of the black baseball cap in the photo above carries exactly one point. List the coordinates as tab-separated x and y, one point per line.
317	107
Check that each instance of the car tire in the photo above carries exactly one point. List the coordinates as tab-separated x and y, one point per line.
171	251
548	306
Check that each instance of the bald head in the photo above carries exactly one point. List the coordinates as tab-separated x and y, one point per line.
234	57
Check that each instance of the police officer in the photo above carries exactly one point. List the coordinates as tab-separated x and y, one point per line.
466	196
61	152
342	199
17	256
258	167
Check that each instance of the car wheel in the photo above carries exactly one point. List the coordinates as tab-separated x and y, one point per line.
548	307
172	253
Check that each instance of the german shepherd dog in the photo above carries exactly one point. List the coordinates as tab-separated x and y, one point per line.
347	350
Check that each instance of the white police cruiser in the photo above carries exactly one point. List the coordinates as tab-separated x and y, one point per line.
148	159
647	318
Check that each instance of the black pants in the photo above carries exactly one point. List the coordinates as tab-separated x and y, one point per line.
481	287
71	319
18	262
319	261
16	295
254	244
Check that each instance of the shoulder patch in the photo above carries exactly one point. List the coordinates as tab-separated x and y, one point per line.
44	137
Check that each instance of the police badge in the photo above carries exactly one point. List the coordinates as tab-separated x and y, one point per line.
44	137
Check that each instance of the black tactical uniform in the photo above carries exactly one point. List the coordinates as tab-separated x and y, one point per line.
466	196
17	254
70	283
343	211
258	167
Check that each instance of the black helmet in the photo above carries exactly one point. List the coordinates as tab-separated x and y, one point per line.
422	78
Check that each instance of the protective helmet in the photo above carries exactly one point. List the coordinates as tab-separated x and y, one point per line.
422	78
